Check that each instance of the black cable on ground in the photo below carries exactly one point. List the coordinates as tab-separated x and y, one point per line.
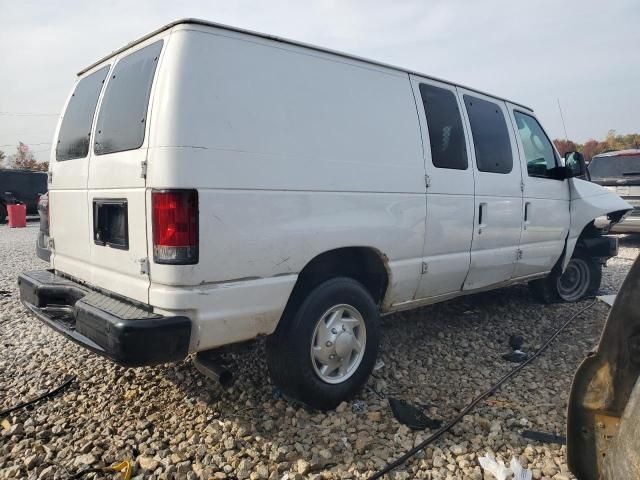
49	394
399	461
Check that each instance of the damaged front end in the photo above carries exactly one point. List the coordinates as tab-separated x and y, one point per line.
604	405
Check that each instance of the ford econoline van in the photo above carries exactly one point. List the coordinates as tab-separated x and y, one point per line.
212	185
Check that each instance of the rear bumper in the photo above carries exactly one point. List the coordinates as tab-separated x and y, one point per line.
128	334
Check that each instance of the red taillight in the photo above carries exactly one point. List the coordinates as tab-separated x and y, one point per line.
175	226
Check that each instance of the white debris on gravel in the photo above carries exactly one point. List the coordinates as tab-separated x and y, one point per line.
173	423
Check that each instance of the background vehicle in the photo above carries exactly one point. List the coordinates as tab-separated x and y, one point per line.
21	186
604	405
620	172
236	185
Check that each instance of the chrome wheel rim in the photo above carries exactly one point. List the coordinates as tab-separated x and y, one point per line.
338	344
574	282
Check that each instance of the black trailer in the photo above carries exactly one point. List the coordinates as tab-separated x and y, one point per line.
21	186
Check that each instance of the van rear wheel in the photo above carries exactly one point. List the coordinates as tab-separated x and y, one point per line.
324	352
3	213
581	279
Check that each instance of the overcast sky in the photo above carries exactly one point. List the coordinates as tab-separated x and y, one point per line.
586	53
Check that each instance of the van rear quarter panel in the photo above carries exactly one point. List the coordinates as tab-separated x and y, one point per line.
293	152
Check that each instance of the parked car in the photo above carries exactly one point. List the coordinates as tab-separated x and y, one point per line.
619	172
21	186
236	185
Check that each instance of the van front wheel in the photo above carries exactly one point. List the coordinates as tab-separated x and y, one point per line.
325	351
581	279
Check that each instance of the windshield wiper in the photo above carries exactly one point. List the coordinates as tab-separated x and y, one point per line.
630	174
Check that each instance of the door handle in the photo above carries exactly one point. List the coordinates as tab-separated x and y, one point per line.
482	216
527	208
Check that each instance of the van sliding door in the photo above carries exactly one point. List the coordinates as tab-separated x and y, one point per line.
449	174
498	191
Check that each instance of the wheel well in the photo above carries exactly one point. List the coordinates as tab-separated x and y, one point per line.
364	264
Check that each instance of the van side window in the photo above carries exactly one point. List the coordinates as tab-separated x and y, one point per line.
446	134
490	135
73	138
538	150
123	112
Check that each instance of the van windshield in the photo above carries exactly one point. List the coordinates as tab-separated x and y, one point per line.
627	166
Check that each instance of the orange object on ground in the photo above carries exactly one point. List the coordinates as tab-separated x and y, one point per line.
17	216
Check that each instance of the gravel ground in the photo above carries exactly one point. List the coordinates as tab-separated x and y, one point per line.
174	423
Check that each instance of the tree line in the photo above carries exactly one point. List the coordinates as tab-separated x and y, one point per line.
22	159
591	147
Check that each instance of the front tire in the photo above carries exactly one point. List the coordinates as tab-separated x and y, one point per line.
324	352
581	279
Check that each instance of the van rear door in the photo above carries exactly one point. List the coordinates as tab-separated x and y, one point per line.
116	196
69	216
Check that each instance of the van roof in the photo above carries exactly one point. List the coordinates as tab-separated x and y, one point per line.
197	21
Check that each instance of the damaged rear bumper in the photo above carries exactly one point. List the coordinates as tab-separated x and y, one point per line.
128	334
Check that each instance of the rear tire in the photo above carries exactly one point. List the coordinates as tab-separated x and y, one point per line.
3	213
323	352
580	280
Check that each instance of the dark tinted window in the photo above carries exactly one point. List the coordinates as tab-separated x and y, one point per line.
73	139
123	112
490	135
445	127
611	166
538	150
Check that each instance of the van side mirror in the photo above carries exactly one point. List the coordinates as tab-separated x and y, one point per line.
575	165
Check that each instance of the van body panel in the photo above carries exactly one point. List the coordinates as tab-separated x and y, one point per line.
249	234
266	111
225	313
264	171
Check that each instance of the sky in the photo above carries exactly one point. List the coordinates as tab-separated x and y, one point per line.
586	54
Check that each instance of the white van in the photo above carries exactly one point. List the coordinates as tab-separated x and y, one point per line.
212	185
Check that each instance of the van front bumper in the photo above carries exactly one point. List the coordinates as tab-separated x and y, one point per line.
126	333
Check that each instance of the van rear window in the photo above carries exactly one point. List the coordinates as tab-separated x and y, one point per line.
123	111
73	138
